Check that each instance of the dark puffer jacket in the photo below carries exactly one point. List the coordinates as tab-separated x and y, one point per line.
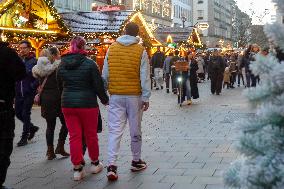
80	81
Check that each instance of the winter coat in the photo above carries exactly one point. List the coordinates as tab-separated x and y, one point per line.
201	64
12	69
29	84
157	60
233	66
193	79
216	65
167	65
227	75
80	81
50	96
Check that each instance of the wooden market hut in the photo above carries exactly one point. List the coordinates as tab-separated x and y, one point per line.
100	29
181	38
34	20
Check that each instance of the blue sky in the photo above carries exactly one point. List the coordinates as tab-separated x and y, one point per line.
259	7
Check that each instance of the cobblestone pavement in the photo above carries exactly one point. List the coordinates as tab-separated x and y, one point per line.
185	148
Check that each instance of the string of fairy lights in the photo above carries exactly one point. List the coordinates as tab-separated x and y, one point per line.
63	32
14	34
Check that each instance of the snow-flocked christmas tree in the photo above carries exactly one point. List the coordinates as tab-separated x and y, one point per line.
261	145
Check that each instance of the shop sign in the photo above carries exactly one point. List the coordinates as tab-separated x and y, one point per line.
203	26
109	8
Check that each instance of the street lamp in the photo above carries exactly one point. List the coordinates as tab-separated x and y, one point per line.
183	19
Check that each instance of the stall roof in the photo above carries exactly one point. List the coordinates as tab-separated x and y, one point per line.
178	35
96	22
25	18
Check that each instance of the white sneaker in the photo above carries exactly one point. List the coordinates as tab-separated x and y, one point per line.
79	174
96	167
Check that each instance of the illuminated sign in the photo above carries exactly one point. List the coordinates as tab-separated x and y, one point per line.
108	8
203	26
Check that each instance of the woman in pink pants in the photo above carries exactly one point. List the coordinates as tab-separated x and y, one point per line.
80	81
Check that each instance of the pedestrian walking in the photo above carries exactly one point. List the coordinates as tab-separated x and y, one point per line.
50	99
25	93
173	71
80	81
157	63
193	78
201	65
249	56
227	76
216	70
130	92
12	69
240	70
167	71
233	70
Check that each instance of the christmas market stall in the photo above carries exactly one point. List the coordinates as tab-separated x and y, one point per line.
182	39
102	28
33	20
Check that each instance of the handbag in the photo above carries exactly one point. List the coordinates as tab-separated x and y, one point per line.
39	91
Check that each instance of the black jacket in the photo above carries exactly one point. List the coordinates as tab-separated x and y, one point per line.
80	81
157	60
12	69
216	65
193	79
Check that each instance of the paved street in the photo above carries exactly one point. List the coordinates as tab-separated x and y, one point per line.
185	148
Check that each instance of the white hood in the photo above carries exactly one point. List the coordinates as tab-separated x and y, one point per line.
44	67
127	40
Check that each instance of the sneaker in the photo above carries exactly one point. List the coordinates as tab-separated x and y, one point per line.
162	87
189	102
112	173
22	142
34	129
168	90
79	174
138	165
157	88
96	167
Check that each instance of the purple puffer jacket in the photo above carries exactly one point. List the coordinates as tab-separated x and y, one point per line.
29	84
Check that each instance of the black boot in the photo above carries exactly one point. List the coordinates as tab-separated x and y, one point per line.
33	130
23	141
60	149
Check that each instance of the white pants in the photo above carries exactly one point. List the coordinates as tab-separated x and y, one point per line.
158	73
121	109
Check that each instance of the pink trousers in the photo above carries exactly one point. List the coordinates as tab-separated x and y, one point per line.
82	121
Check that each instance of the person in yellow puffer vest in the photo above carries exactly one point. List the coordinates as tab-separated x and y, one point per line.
126	73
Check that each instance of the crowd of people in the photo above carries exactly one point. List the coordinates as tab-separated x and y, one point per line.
223	69
67	87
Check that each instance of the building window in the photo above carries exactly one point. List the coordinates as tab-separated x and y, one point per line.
200	14
200	1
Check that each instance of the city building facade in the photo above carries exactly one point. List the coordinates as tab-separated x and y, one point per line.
241	28
182	13
279	16
218	15
71	5
156	12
